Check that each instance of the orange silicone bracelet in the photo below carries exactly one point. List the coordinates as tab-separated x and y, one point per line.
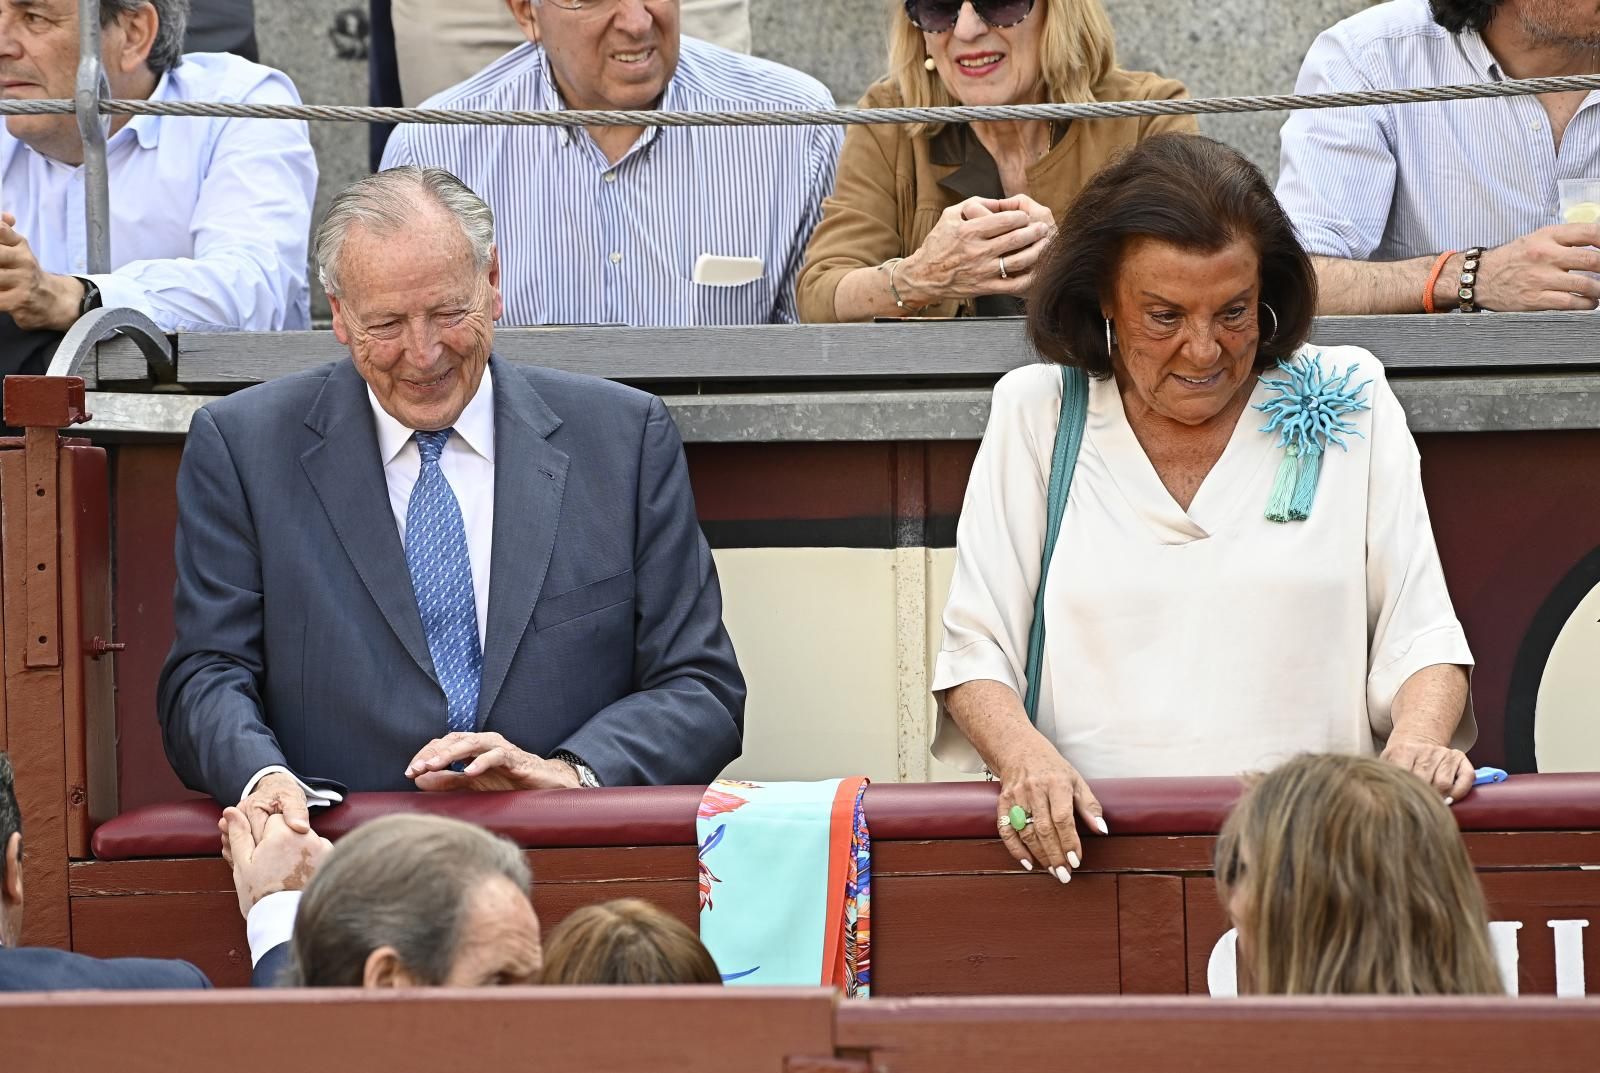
1433	280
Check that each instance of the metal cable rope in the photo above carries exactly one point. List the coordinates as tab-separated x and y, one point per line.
822	117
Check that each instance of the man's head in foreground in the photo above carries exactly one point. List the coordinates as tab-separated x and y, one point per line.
418	901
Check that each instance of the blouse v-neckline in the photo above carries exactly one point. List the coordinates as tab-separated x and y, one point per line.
1221	493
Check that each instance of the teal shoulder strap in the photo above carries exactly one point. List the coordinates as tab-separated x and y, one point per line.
1069	438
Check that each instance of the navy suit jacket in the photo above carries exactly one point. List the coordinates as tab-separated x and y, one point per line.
270	970
37	968
298	637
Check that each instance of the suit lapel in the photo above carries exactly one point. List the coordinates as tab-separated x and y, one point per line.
347	475
530	479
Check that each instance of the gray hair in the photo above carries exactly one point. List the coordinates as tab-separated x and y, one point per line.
166	51
386	203
402	881
10	814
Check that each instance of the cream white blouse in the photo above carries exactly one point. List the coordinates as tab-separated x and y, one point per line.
1202	642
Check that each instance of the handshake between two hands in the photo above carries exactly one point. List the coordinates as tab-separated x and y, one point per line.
267	837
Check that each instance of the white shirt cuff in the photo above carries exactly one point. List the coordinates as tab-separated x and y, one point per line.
314	798
271	923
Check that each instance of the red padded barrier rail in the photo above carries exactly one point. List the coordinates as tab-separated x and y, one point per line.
664	815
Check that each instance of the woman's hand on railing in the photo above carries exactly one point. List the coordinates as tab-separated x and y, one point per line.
1052	796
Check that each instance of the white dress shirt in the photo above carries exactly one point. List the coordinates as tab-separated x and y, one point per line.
468	464
210	218
1392	182
271	923
1199	641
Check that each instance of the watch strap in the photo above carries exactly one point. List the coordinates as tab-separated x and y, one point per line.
92	298
586	776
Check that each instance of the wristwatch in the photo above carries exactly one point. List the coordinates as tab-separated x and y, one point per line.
587	779
91	295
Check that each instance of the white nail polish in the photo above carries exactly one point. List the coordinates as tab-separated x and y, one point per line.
1063	875
1100	822
1449	801
1072	859
1027	865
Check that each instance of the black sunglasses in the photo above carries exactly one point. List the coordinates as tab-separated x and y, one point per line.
940	16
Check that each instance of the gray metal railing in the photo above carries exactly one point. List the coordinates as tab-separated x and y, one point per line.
92	127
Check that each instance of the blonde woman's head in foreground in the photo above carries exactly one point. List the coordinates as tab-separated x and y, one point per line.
627	941
1347	876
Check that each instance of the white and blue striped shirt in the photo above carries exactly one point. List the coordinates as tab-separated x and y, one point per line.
1390	182
583	241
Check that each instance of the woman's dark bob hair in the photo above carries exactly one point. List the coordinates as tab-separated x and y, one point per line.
1458	15
1186	190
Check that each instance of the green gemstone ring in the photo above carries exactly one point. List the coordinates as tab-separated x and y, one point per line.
1019	818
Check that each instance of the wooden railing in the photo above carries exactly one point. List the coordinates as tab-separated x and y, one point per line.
653	1030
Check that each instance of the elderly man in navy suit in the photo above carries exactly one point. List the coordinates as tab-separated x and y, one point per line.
426	567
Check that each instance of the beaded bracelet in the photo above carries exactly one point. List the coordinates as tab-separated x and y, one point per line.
1469	281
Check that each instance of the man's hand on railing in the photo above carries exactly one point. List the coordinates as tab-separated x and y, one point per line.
490	762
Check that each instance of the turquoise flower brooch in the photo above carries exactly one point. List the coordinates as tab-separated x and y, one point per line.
1309	410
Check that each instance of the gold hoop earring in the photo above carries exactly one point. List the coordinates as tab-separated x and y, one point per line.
929	64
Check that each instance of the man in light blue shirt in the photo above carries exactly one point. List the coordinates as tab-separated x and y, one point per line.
1380	195
628	225
210	218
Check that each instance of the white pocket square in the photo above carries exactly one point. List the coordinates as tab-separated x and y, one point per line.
715	271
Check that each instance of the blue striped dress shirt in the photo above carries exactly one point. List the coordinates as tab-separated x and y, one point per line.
1391	182
583	241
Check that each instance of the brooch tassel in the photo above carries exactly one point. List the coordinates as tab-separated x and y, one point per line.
1283	485
1309	411
1305	484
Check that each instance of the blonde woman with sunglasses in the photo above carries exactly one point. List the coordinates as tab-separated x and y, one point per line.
950	220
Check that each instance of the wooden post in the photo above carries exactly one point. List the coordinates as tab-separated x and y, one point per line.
35	649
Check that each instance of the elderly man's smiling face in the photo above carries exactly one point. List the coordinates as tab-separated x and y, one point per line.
418	314
610	54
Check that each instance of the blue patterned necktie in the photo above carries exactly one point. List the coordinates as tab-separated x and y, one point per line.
441	574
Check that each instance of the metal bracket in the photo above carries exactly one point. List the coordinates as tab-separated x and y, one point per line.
98	325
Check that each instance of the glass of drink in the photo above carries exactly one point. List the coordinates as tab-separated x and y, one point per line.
1580	201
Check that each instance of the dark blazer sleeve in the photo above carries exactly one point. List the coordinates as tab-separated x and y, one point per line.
270	970
208	697
41	969
685	721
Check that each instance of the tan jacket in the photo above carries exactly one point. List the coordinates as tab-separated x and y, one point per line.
888	195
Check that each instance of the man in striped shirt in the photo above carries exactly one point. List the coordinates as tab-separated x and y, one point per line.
1388	199
635	225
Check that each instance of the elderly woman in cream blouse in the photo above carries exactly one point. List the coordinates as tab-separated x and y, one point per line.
1245	568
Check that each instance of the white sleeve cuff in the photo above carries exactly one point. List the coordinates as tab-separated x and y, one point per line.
314	797
271	922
